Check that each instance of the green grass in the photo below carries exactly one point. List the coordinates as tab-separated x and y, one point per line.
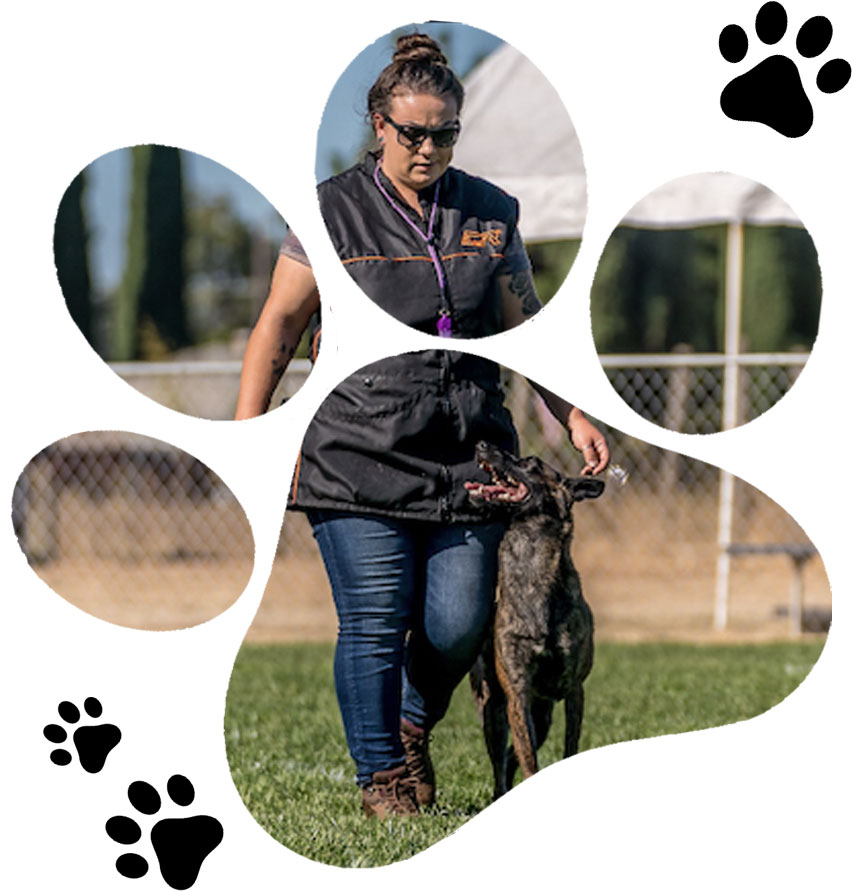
289	760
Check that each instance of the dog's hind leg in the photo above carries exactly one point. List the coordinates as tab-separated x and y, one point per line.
573	719
542	717
511	767
479	684
491	705
496	729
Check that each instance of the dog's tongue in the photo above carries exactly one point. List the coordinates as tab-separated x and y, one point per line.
496	491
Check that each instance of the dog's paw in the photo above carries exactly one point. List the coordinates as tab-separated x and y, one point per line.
181	844
772	92
93	742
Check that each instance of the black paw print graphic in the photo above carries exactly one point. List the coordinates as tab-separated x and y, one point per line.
771	92
180	844
93	742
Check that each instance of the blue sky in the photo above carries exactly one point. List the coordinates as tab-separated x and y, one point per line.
341	134
108	192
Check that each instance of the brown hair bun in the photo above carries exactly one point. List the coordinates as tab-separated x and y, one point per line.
418	48
418	66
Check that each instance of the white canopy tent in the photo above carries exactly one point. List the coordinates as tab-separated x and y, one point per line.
518	134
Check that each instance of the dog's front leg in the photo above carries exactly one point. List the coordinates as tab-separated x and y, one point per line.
511	665
573	719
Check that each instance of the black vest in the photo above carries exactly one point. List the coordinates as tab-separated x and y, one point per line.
474	222
397	437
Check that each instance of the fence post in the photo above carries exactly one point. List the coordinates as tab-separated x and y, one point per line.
730	410
723	541
675	414
796	594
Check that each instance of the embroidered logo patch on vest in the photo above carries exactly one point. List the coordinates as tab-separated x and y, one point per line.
473	238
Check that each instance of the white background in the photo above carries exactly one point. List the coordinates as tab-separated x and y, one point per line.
758	804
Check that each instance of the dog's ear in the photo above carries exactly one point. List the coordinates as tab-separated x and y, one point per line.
586	487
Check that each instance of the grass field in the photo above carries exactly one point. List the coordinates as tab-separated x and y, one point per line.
289	760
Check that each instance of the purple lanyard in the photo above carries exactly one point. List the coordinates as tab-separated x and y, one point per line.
445	323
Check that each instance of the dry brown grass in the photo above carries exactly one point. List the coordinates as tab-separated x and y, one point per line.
659	584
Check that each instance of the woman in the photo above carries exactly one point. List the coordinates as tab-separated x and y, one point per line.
411	565
404	219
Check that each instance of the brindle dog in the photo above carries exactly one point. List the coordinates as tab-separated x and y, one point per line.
541	649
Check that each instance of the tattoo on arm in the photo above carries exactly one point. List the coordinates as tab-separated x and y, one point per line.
522	286
279	365
282	360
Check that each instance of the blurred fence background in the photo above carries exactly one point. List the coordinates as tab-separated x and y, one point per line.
132	530
684	391
136	531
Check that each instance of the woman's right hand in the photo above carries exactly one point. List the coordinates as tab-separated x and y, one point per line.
293	299
589	441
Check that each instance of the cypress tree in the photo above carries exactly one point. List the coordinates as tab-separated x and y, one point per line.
70	252
150	318
163	295
125	326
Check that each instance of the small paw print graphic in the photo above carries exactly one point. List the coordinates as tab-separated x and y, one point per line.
180	844
772	92
93	742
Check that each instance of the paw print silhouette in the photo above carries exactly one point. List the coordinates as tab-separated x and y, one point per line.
180	844
93	742
772	92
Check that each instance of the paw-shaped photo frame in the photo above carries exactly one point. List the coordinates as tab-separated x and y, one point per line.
274	752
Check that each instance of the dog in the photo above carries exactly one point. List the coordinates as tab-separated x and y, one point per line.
541	648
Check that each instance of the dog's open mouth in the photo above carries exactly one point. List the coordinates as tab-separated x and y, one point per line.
499	489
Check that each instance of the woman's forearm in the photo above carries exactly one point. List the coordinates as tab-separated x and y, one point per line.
558	407
584	436
293	299
268	353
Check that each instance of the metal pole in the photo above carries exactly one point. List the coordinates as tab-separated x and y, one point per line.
733	317
730	411
723	557
796	589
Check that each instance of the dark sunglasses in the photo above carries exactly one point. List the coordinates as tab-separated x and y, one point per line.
413	137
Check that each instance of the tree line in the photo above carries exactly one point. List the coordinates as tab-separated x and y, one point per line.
193	270
656	290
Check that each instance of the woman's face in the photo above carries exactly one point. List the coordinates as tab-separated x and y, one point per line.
408	164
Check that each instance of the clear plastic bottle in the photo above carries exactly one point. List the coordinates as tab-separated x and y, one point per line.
617	475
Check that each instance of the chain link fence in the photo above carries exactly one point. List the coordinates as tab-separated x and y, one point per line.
686	392
137	532
132	530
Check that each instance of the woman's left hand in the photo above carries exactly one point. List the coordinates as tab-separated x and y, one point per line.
589	441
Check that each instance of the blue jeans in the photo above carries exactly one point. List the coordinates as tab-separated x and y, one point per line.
390	577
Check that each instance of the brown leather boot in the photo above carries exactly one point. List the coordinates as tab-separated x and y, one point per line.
415	742
391	793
